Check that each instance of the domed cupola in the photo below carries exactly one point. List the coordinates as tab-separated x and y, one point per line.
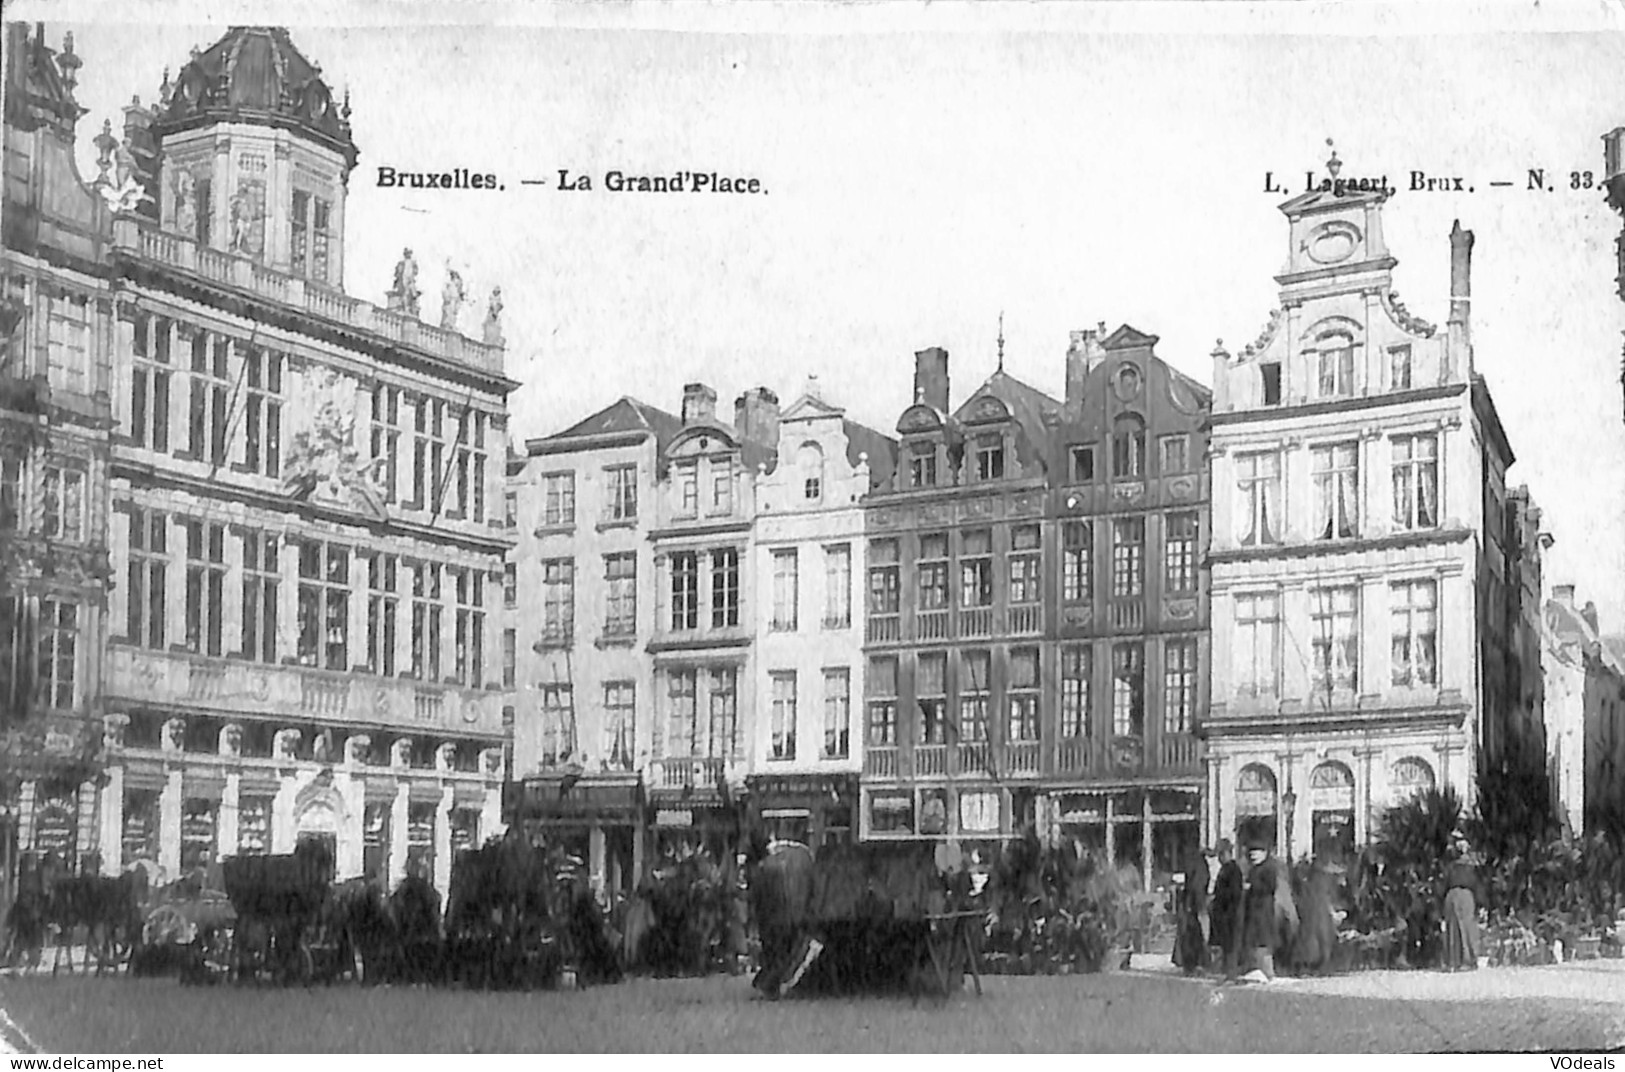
256	155
254	74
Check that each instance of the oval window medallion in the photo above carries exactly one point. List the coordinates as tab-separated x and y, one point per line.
1333	242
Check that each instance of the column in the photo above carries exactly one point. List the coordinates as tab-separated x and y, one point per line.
169	826
284	835
442	841
1376	654
1362	796
491	824
1145	842
227	827
1376	484
1111	834
595	854
398	817
287	592
25	815
231	619
112	820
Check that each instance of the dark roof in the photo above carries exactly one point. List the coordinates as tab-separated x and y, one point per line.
625	414
1027	407
254	74
881	448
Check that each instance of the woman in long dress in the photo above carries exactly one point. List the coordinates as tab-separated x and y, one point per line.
1462	894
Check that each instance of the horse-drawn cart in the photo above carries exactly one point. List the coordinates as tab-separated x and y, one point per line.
284	932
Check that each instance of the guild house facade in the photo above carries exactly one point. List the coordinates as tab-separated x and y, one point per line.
57	321
1361	548
307	524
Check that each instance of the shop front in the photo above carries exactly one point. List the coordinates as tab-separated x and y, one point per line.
813	809
695	821
598	819
970	814
1155	830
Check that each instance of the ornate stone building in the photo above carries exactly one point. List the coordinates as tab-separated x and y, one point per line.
955	616
57	326
809	550
308	529
1585	717
1123	768
581	596
1361	548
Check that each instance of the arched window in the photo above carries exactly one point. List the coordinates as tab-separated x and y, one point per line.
1408	777
1334	364
1128	447
1255	790
1331	811
810	460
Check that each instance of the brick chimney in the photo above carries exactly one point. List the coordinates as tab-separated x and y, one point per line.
1563	594
699	403
931	378
1083	355
756	419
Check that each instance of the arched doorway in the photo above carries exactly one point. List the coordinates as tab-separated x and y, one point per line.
1256	805
319	817
1408	777
1331	809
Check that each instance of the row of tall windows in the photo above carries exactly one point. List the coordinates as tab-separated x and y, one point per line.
718	569
836	703
50	493
1333	644
1023	693
39	655
559	728
620	501
1336	490
837	567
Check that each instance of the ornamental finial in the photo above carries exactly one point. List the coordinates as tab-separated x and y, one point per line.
1333	165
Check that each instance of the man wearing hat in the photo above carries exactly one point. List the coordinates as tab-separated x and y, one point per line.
1225	908
1259	932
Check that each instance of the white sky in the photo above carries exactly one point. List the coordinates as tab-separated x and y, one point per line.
930	167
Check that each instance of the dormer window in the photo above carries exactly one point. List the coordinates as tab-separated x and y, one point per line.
688	484
922	466
1270	372
1082	464
1128	448
990	458
1399	366
1334	361
722	488
811	463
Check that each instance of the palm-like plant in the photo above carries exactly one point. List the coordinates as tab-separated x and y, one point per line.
1413	838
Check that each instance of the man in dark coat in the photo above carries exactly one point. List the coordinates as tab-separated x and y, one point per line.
1260	932
1225	909
1190	945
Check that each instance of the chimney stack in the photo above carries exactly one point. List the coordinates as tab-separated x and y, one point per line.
1564	594
756	419
699	403
1461	273
931	378
1083	355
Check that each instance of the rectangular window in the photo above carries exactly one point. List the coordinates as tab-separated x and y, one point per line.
620	725
685	590
321	236
1399	367
975	684
57	676
1270	376
1128	451
149	555
922	466
1258	477
1179	551
205	586
976	569
884	584
1257	641
510	585
881	685
558	600
837	713
558	499
931	696
1176	454
1128	689
262	421
299	252
1128	557
621	595
63	503
1337	490
68	347
722	488
688	489
786	590
837	586
932	571
386	438
510	509
468	639
682	713
11	488
1335	637
1335	363
426	615
1077	561
558	724
1025	564
210	394
724	742
324	605
990	458
510	658
149	383
621	483
1024	695
261	573
724	588
784	716
1415	614
1416	481
203	190
1179	686
1076	669
1081	464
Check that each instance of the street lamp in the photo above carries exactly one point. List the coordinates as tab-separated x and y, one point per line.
1289	800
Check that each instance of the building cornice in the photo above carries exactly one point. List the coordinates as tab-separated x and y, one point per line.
584	444
1329	548
1337	405
1441	716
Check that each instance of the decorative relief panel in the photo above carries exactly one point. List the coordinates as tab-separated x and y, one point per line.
1182	487
936	513
1179	609
979	508
1077	615
1027	504
1128	493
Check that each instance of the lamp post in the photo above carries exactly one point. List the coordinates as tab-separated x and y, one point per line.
1289	801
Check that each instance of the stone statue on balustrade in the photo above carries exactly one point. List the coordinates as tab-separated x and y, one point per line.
403	298
452	297
493	318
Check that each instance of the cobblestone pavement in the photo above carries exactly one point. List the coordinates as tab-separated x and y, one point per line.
1572	1007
